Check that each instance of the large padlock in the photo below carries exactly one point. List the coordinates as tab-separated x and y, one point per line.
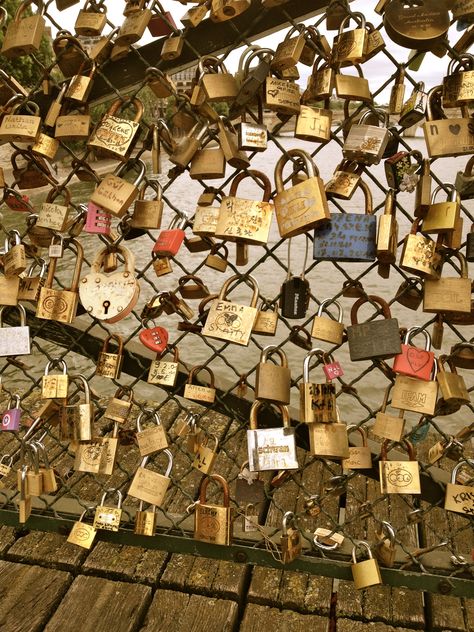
303	206
61	305
91	19
215	85
367	143
449	294
23	34
402	22
452	385
110	297
114	194
153	438
329	441
213	523
197	392
460	498
351	46
317	401
399	477
348	236
414	361
441	217
366	573
11	418
273	381
328	329
149	486
74	126
21	128
375	338
231	321
443	136
271	448
115	137
15	341
243	220
419	396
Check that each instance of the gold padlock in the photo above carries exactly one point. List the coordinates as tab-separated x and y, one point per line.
213	523
328	329
23	34
110	364
197	392
149	486
114	194
115	137
448	294
351	46
399	477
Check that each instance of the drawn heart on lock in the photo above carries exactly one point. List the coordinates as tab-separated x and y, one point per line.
455	129
109	297
154	338
417	358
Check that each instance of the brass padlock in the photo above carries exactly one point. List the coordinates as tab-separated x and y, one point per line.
441	217
222	10
205	222
457	85
314	124
110	364
115	194
448	294
460	498
360	457
402	23
23	34
145	521
419	396
82	534
151	439
81	416
115	137
91	19
253	136
24	503
291	545
149	486
367	143
386	425
399	477
197	392
329	440
419	254
344	181
55	216
172	47
14	258
69	53
108	517
351	46
118	409
164	372
215	85
289	51
208	164
452	386
387	232
147	213
213	523
133	27
366	573
271	448
205	456
353	87
273	381
266	322
55	386
282	96
317	401
328	329
21	128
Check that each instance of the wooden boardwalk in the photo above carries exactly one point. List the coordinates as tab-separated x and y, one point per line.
49	585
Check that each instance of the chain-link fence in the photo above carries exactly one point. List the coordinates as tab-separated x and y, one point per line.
432	547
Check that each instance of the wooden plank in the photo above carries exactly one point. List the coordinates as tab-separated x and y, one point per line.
29	594
265	585
446	613
176	571
101	605
231	580
132	563
166	611
201	576
348	625
258	618
7	538
318	595
47	549
469	606
204	614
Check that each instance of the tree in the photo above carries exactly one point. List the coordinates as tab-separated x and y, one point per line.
25	69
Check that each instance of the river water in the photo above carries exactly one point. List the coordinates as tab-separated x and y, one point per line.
325	281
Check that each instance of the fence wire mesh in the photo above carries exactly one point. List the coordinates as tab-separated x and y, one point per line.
319	493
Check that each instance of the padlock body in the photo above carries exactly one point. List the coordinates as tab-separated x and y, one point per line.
349	237
169	242
273	383
213	523
414	362
272	449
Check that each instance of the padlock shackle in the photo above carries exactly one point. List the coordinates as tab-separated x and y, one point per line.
414	331
252	173
435	93
75	379
361	544
118	340
19	308
369	204
462	262
261	52
218	479
458	466
404	442
147	413
309	167
358	17
182	281
388	532
307	359
367	299
274	349
453	193
360	430
288	517
108	492
390	200
55	362
256	407
124	390
99	260
118	105
329	301
197	369
253	282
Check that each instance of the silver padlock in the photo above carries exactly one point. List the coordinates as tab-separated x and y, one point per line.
271	448
15	340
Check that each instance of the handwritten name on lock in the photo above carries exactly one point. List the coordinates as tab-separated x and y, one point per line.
274	89
248	217
115	132
229	319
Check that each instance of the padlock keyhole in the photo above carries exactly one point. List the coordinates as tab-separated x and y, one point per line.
106	305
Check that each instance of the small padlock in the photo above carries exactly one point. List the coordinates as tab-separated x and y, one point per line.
366	573
291	545
80	417
266	322
460	498
110	364
49	481
114	194
15	341
118	409
151	439
213	523
164	372
108	517
317	401
414	109
414	361
55	386
360	457
452	386
295	291
273	381
217	261
441	217
419	396
11	418
149	486
328	329
385	549
14	258
197	392
169	241
386	425
399	477
145	521
205	456
24	504
82	534
153	338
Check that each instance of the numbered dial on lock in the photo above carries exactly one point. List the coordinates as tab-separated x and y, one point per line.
154	338
110	297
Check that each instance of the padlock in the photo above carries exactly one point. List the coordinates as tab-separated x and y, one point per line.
366	573
386	425
11	418
208	163
344	181
169	241
34	479
385	548
464	182
231	321
56	247
149	486
351	46
348	236
250	80
114	194
192	287
336	12
23	34
400	172
48	484
145	521
133	27
243	220
14	258
441	217
289	51
321	81
373	339
414	109
91	20
162	22
317	401
205	456
108	517
282	96
457	89
452	386
69	53
295	291
397	93
118	409
360	457
6	462
115	137
164	372
419	254
366	144
222	10
55	216
21	128
273	381
303	206
329	440
419	396
271	448
462	355
291	545
460	498
199	393
195	15
73	126
80	85
328	329
147	213
151	439
353	87
24	504
213	523
413	361
423	191
449	294
186	148
153	338
55	386
110	364
172	47
15	341
81	416
45	147
82	534
402	23
98	221
300	337
216	261
215	85
250	518
399	477
110	297
205	220
443	136
9	288
266	322
314	124
252	136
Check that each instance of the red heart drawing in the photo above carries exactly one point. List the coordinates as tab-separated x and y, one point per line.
417	358
155	338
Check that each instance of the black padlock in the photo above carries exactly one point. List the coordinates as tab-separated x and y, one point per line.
470	245
295	292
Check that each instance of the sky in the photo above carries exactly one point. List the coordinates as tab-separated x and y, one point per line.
377	70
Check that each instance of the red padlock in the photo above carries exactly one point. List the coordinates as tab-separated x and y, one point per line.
169	241
154	338
331	369
17	201
161	23
414	361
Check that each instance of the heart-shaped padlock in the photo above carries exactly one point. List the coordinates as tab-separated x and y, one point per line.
154	338
110	297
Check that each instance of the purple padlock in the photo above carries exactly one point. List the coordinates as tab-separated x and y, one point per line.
11	417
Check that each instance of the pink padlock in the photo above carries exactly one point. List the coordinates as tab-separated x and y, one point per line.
169	241
332	369
11	417
98	221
